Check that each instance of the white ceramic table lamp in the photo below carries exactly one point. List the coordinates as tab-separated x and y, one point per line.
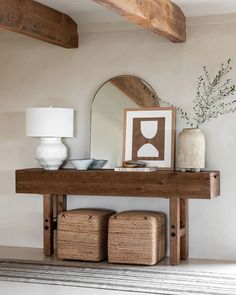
50	124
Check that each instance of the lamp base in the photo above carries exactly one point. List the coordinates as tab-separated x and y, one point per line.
51	153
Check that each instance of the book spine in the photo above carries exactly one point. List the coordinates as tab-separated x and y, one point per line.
122	169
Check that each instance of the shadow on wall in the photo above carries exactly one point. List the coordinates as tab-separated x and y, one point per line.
16	150
12	126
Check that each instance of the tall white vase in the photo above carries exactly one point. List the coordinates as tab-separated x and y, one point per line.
191	150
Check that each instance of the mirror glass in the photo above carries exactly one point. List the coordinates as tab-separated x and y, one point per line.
108	107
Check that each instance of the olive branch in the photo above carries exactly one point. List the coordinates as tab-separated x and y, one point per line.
213	97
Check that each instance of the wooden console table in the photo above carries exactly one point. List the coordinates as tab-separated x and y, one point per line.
178	187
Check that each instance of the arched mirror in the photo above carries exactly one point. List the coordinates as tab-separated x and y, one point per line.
108	107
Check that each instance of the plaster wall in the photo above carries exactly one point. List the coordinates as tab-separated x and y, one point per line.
38	74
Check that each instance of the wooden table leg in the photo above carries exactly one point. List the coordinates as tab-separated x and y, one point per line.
48	224
61	203
179	246
184	242
174	213
61	206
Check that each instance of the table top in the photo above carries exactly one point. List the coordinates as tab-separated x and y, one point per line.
161	183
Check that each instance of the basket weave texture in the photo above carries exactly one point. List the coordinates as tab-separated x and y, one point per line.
82	234
136	237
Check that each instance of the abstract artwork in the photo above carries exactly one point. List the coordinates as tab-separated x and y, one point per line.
149	136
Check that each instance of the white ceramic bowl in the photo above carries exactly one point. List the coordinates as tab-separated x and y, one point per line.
81	164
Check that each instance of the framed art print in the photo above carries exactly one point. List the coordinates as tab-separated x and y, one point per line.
149	136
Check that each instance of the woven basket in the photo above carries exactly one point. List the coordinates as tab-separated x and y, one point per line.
136	237
82	234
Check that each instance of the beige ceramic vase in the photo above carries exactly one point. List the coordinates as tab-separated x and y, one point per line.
191	150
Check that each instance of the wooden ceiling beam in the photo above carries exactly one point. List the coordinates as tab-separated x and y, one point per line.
39	21
159	16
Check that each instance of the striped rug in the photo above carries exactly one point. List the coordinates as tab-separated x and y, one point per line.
150	280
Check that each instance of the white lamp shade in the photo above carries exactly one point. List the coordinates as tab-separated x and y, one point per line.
49	122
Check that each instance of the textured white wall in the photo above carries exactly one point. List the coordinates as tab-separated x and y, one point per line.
37	74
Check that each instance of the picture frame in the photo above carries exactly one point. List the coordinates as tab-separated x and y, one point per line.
149	136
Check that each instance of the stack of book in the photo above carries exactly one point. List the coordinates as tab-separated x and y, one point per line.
135	169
